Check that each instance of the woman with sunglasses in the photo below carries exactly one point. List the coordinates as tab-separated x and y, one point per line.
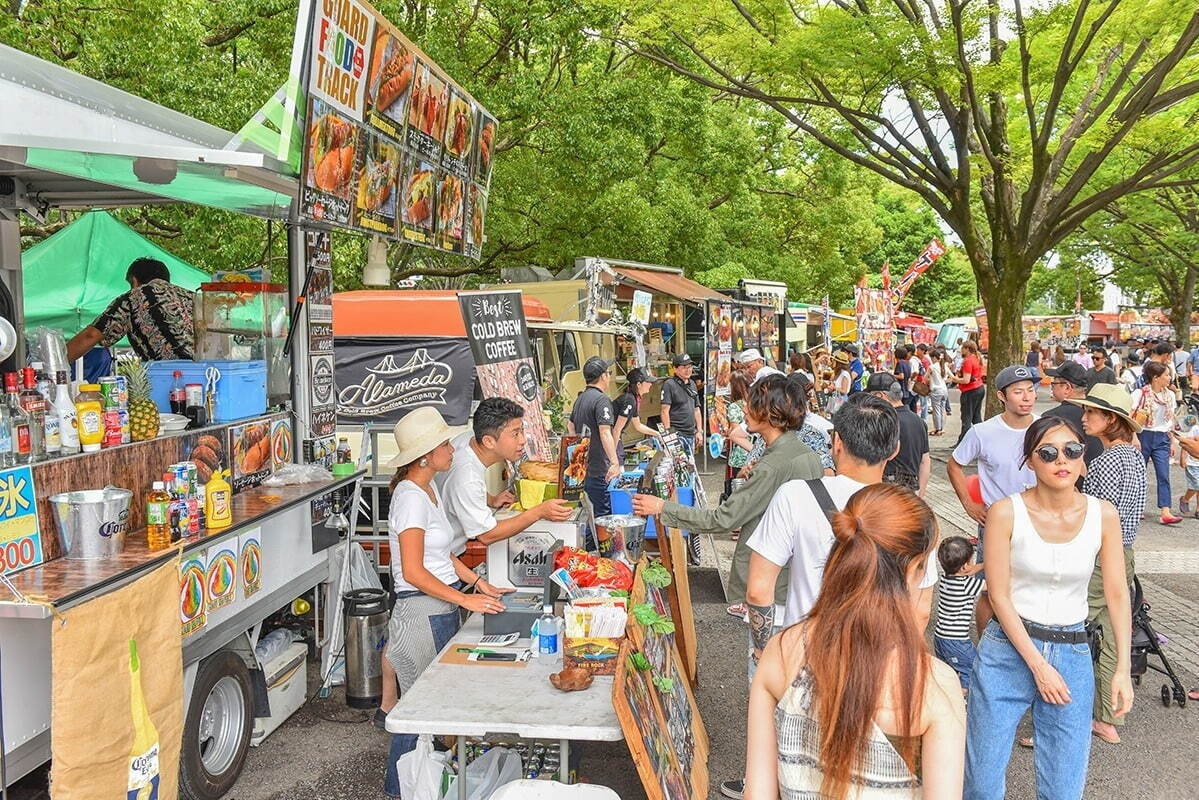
1040	547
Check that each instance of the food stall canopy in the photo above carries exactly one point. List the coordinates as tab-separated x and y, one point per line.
78	143
410	312
671	283
102	249
1104	324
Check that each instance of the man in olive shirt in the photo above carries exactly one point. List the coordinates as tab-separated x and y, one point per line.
786	459
680	404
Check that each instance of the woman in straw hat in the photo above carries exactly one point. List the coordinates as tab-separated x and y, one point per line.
1117	475
431	583
841	383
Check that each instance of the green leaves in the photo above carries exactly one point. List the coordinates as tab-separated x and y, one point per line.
665	685
638	661
648	616
657	575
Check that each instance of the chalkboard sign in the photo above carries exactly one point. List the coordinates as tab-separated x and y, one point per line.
654	702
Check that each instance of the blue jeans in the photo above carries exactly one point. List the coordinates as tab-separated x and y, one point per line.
1002	688
444	627
1155	445
957	653
596	488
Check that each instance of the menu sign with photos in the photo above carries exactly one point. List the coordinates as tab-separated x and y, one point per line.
393	146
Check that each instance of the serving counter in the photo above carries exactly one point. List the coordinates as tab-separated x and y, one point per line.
65	582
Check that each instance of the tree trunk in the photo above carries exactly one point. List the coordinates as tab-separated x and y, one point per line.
1004	302
1183	304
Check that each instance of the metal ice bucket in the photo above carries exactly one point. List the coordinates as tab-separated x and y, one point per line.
92	524
623	535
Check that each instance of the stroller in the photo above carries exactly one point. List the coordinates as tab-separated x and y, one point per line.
1145	641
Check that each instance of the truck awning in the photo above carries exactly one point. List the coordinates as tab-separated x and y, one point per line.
79	143
671	284
410	312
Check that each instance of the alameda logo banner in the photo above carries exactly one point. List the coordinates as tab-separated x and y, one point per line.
382	379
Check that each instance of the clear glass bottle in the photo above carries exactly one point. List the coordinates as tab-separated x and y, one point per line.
7	459
18	421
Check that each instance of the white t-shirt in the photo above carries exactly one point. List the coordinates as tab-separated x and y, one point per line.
412	508
936	377
464	489
999	450
794	530
821	424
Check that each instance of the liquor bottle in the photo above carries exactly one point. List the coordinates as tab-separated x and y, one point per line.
143	754
158	518
18	422
35	406
178	394
65	406
7	459
343	451
35	381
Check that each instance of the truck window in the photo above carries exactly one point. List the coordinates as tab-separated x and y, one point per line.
566	351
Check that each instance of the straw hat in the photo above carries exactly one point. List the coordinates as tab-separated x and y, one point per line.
1111	398
841	357
419	433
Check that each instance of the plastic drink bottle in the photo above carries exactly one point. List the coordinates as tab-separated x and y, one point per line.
158	518
547	632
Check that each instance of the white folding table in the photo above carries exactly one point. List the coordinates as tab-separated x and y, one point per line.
492	700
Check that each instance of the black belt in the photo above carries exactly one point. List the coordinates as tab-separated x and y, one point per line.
1054	635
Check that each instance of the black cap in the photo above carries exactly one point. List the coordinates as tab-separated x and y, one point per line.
637	375
852	349
1069	371
880	382
594	368
681	360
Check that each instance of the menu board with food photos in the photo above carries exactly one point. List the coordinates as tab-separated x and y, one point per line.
393	146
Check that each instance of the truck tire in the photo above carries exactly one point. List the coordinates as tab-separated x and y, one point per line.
216	733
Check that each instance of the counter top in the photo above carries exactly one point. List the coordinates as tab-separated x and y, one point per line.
68	582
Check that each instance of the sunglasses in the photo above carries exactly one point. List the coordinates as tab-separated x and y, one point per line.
1072	450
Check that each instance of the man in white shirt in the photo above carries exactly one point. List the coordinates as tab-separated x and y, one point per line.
795	529
997	444
756	365
498	435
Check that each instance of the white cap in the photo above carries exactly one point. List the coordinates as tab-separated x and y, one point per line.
749	355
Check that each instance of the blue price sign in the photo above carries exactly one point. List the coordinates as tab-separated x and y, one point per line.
20	532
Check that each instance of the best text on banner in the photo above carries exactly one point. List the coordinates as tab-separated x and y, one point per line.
499	342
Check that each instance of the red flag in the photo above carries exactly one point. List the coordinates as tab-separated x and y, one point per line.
927	256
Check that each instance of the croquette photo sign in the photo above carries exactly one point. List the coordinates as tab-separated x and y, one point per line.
392	145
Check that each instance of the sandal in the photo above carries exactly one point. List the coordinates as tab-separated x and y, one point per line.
1193	694
1026	741
739	611
1171	520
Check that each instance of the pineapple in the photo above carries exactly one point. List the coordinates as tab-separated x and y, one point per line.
143	413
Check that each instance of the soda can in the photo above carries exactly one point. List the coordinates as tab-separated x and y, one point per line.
126	431
193	473
111	393
112	428
183	483
193	516
122	391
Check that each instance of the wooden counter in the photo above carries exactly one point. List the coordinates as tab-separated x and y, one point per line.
67	582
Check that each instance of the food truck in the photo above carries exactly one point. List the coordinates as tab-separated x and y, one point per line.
92	146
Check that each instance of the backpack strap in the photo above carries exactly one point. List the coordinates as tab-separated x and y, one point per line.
823	498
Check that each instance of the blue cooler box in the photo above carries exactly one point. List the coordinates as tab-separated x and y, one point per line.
622	502
240	393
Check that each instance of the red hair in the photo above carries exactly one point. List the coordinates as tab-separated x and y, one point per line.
864	624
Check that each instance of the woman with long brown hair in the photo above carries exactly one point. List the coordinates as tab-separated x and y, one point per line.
848	703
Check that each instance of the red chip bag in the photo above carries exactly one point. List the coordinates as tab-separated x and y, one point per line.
611	574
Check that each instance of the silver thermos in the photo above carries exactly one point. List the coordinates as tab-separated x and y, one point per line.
366	637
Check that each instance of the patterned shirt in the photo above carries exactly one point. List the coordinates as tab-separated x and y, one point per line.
157	318
1118	476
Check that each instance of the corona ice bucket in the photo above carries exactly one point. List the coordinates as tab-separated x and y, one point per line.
92	524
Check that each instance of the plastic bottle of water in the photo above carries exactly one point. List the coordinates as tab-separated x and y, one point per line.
548	634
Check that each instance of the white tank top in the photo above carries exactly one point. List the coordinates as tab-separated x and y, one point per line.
1049	581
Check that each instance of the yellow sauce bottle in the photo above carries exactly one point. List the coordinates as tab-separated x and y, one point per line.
143	755
218	506
89	417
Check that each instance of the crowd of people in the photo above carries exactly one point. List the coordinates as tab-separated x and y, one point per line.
839	560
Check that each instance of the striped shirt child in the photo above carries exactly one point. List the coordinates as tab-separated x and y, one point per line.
957	593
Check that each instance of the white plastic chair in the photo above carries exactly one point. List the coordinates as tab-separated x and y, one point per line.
552	790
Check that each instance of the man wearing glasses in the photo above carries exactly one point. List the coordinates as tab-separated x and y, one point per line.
1071	382
1100	371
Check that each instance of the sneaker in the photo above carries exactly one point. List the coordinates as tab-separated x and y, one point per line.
693	550
380	719
733	789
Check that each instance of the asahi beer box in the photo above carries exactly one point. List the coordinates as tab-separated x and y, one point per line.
523	561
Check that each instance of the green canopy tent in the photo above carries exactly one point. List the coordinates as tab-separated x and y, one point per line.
72	276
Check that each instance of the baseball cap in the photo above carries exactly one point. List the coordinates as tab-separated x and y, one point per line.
1014	374
637	375
852	349
594	368
681	360
880	382
749	355
1070	371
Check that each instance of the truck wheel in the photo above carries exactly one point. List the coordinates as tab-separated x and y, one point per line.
216	734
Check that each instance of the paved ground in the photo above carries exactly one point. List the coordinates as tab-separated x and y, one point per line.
328	752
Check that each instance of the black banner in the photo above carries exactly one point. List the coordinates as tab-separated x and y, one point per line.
495	326
380	379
